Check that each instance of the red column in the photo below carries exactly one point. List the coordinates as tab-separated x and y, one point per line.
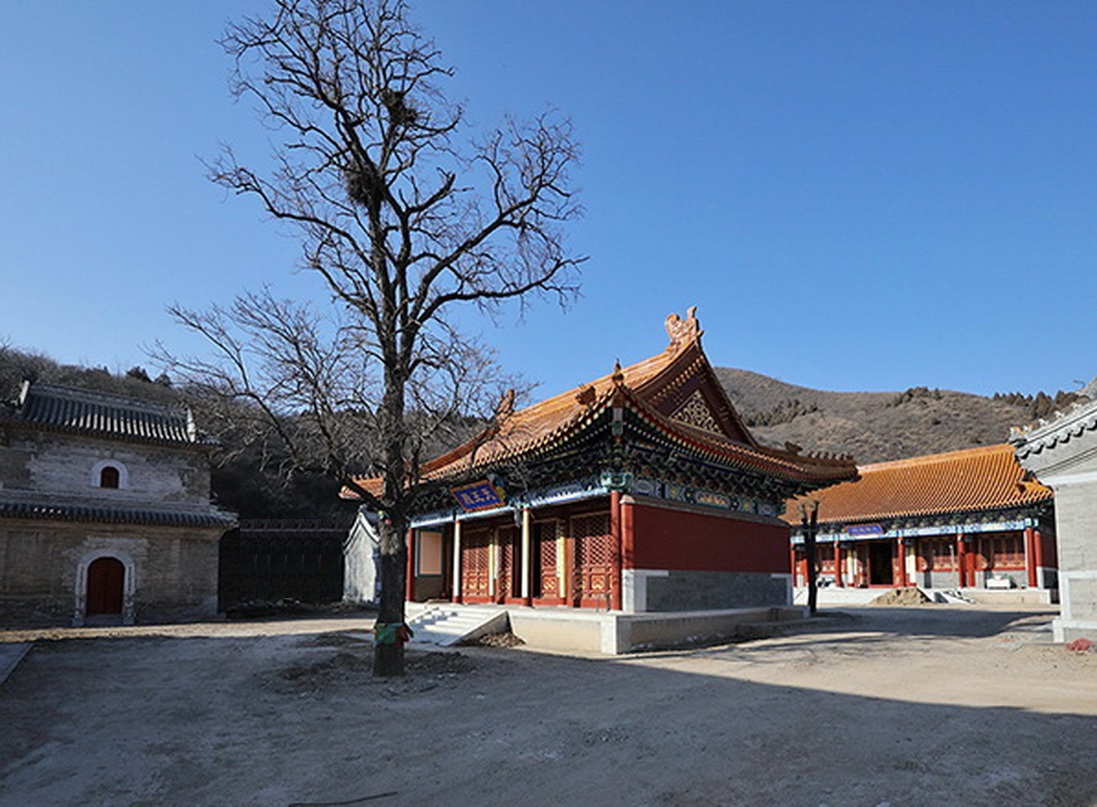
901	548
961	561
615	531
628	534
792	564
838	564
1034	556
411	566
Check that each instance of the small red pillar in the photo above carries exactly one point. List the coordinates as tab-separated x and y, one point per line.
961	561
1032	542
792	564
615	531
411	566
628	535
838	564
901	549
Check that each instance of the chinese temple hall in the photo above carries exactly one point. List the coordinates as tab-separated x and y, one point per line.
971	519
641	491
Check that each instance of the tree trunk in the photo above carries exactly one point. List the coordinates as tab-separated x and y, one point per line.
809	524
813	586
388	659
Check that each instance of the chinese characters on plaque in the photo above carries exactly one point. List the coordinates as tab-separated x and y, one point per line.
478	496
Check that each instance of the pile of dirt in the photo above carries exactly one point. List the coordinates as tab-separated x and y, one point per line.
337	639
354	668
902	596
504	639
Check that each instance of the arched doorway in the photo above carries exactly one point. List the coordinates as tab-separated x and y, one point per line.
106	586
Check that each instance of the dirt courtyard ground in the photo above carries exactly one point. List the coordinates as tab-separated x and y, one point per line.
933	705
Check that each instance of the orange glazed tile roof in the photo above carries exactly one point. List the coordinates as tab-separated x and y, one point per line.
657	390
985	478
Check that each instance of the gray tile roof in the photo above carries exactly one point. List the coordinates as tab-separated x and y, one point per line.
1061	427
117	515
90	412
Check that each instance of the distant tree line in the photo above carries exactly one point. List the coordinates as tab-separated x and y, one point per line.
1041	404
914	394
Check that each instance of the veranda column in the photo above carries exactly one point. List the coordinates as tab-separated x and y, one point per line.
961	562
456	560
493	564
628	551
901	548
615	532
838	564
526	600
1030	557
411	566
1038	554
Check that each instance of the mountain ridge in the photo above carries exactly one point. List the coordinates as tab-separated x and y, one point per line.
879	426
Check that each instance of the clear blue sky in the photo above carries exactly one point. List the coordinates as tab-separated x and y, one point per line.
857	196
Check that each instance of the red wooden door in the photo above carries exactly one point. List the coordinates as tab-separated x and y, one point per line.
106	579
595	560
475	567
510	567
548	581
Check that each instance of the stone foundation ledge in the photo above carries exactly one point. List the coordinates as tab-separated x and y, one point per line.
616	633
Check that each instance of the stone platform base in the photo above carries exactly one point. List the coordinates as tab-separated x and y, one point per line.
615	633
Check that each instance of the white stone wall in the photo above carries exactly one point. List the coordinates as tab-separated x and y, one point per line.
1076	531
1069	467
174	569
171	572
65	467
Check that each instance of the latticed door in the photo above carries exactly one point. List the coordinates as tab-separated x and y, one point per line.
509	566
548	580
475	565
595	560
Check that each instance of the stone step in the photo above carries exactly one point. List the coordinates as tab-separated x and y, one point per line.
446	625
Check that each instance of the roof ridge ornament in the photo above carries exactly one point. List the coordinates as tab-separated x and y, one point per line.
683	332
505	408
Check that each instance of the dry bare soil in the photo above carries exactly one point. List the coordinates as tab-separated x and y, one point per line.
931	705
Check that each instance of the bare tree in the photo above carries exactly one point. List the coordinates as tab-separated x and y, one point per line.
404	217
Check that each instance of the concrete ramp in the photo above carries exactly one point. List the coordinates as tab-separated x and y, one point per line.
446	624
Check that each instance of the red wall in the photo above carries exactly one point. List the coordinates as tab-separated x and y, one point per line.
686	541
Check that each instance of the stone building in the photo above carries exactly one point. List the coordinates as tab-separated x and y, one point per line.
105	510
1063	454
958	520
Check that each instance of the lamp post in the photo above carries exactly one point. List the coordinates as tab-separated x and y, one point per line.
809	515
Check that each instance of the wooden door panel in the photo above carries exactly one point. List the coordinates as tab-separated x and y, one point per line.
546	566
596	576
106	580
508	583
475	566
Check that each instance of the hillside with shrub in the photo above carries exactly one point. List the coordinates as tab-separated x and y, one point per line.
880	426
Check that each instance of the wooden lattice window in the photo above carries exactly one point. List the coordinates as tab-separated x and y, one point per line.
595	544
1007	552
937	555
546	582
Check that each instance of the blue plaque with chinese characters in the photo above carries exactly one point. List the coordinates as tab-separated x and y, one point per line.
478	496
865	529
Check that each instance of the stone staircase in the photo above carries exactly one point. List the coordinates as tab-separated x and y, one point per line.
446	624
